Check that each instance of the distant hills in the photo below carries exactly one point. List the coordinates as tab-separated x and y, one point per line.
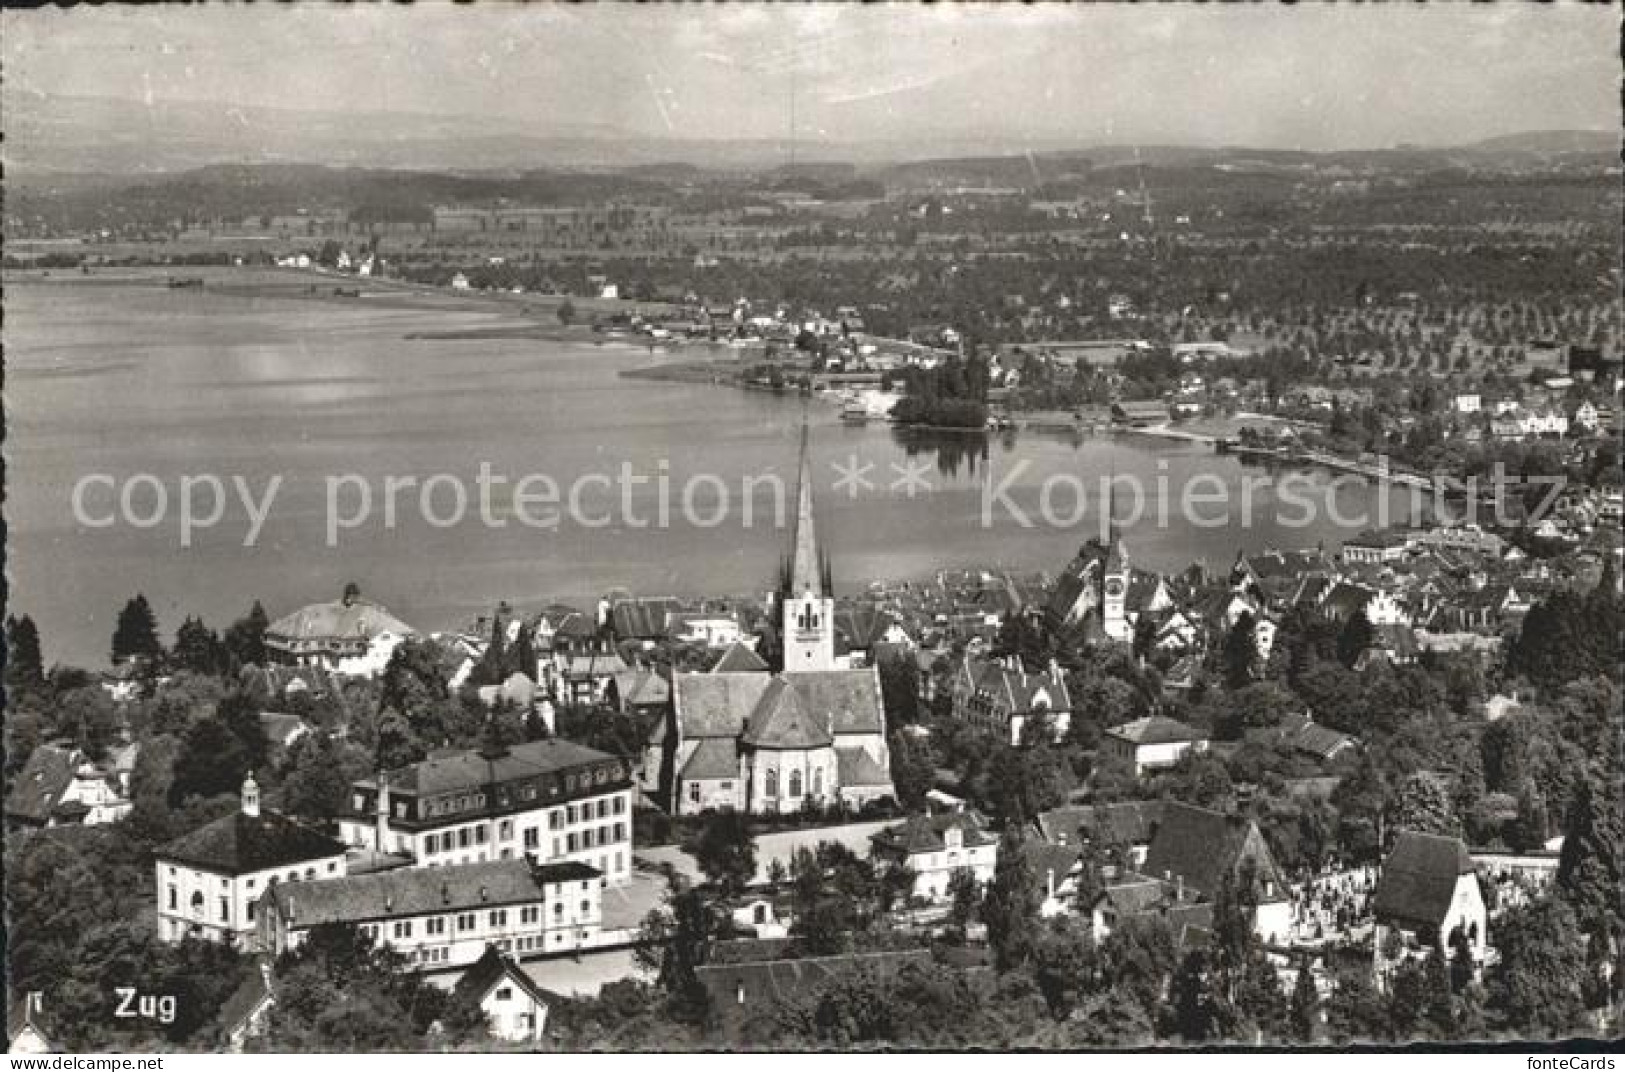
88	135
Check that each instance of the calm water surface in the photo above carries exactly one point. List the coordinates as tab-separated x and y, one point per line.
126	379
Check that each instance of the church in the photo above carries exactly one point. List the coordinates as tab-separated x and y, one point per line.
810	734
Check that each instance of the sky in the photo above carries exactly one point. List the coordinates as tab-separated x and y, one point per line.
1312	77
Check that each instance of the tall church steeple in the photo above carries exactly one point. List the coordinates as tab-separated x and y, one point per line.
807	626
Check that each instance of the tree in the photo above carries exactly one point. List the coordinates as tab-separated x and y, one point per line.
913	768
566	312
1357	635
673	942
1026	781
1537	985
1588	873
25	665
136	633
245	639
1010	907
197	648
1305	1008
320	771
726	852
964	899
1424	805
1240	654
1064	963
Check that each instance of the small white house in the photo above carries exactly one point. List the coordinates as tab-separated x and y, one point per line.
1427	895
935	847
515	1007
1152	743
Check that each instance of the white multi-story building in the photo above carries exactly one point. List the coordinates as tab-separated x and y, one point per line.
548	801
445	917
935	847
210	881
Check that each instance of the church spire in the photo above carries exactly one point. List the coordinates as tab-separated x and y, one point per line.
807	567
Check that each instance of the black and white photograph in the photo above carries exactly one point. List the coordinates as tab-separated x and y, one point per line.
831	528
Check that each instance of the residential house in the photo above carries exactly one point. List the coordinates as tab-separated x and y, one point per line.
1427	894
1198	849
1375	546
514	1006
60	785
551	801
935	847
245	1012
26	1028
1004	697
445	917
1151	743
741	991
209	881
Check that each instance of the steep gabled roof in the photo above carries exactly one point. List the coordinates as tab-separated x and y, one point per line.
38	787
1202	847
493	968
927	833
739	659
712	758
858	768
782	721
1419	877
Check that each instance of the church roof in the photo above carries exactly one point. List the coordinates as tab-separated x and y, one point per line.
722	704
1203	846
781	721
858	768
739	658
1418	879
806	568
713	758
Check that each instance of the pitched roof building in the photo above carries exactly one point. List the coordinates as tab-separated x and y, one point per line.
1428	891
812	734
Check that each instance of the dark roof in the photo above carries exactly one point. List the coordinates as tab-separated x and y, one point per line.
722	704
781	721
739	658
1156	729
926	833
1130	822
762	983
246	999
468	769
492	968
1202	847
415	891
712	758
642	619
42	781
858	768
1419	878
238	843
358	619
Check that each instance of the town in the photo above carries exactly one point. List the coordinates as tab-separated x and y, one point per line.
865	771
1335	795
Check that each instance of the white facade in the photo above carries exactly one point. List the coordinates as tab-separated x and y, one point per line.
934	871
562	917
595	830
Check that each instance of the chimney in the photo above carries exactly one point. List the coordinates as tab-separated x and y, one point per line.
1049	882
485	893
739	992
445	893
293	909
251	796
1179	889
381	813
352	592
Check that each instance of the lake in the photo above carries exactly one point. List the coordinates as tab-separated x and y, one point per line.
112	380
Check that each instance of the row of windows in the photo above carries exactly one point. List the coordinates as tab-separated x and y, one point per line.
530	790
770	783
594	836
463	922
